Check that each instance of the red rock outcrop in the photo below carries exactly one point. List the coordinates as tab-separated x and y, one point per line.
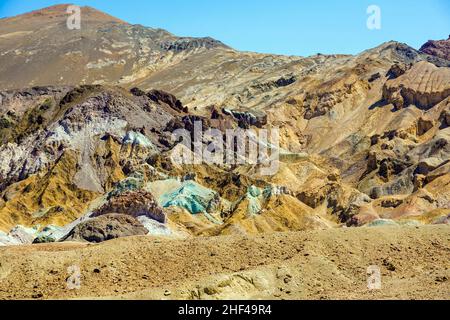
439	48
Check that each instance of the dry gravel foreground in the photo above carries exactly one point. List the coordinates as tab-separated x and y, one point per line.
331	264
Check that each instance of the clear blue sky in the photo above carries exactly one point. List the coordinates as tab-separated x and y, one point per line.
295	27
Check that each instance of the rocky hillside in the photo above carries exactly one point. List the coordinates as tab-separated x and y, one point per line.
86	118
440	48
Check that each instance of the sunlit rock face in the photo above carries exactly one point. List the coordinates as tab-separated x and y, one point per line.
424	86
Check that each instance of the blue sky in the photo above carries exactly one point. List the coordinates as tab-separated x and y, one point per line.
293	27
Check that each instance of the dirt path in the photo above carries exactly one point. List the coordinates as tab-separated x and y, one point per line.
414	263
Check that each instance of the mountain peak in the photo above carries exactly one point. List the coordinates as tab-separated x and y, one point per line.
438	48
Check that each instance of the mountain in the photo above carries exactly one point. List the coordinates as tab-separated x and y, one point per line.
87	155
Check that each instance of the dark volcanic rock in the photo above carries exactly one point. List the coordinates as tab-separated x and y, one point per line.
397	70
188	123
410	55
284	82
44	239
107	227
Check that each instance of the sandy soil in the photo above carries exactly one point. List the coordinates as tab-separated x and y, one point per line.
332	264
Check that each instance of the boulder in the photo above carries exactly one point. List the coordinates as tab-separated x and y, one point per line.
439	48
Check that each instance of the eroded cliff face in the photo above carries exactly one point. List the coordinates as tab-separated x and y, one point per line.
364	139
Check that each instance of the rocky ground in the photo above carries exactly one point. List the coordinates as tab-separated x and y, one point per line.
87	154
414	264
